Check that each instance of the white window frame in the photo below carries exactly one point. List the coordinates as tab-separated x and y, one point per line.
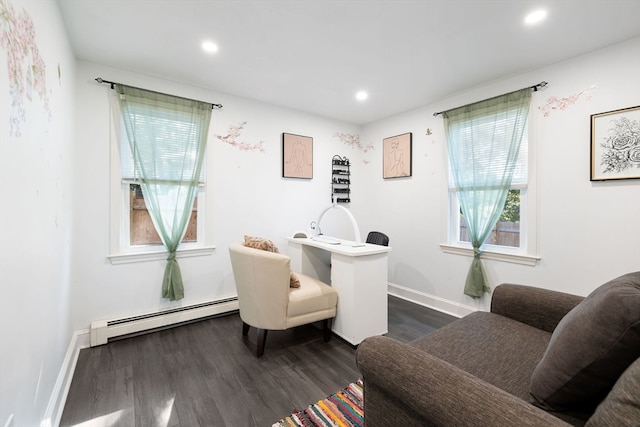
120	250
526	254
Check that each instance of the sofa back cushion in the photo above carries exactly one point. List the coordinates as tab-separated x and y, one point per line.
590	348
621	408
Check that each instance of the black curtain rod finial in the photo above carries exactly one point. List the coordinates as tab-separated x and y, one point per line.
539	86
101	80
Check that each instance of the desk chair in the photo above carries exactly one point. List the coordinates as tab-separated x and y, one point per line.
378	238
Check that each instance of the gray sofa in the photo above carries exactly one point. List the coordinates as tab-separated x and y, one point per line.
538	358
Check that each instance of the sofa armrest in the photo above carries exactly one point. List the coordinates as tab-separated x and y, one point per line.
537	307
406	386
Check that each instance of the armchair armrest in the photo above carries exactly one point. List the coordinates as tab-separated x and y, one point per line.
537	307
406	386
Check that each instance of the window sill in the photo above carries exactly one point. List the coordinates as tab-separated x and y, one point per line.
492	255
159	255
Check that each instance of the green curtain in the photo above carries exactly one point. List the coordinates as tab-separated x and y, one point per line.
167	136
483	141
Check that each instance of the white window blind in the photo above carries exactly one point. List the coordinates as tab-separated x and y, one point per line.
487	155
166	135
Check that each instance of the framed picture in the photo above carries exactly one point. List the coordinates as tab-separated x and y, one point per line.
396	152
297	156
615	144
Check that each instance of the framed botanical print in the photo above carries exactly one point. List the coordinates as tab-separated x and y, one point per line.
615	144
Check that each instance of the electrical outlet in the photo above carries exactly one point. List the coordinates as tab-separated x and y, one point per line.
9	422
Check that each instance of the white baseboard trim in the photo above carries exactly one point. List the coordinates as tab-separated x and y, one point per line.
103	330
53	414
445	306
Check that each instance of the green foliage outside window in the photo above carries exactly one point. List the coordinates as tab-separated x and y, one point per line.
511	212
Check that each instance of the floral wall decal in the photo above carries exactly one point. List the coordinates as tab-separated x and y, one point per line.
353	140
26	69
555	103
232	135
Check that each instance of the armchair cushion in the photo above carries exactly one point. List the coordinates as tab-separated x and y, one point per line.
311	296
590	348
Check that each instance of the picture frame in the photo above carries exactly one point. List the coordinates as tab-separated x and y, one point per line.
615	144
297	156
397	156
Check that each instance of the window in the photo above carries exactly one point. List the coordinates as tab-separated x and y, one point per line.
141	231
509	233
506	232
513	237
133	234
141	228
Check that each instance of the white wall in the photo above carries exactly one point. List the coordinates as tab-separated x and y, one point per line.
36	222
249	196
588	232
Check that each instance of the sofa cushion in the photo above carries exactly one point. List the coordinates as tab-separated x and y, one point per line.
494	348
621	408
590	348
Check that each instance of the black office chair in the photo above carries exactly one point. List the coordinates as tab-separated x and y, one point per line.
378	238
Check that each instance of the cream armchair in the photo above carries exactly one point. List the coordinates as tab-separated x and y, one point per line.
267	302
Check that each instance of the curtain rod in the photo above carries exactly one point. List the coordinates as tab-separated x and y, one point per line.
534	87
101	80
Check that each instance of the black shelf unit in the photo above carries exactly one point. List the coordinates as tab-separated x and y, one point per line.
340	180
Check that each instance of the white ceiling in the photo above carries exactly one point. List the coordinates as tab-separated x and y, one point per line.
314	56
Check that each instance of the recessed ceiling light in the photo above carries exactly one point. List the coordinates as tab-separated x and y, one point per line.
362	95
209	46
535	17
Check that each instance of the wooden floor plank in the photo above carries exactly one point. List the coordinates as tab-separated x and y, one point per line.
207	374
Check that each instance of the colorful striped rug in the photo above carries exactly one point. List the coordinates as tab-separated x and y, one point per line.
343	409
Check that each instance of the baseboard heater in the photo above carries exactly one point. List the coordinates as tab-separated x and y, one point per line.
104	330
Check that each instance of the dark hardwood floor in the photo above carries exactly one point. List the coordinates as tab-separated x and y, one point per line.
206	374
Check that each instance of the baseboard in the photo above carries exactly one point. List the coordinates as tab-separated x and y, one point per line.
104	330
443	305
53	413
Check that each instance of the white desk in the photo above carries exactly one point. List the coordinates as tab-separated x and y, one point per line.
358	274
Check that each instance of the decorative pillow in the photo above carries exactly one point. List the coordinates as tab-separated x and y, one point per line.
294	282
267	245
260	243
590	348
621	408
